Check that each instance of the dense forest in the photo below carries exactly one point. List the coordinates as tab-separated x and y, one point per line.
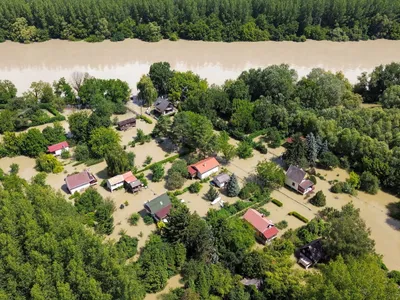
218	20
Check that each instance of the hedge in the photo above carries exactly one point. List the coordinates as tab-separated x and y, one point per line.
257	133
298	216
167	160
146	119
178	192
277	202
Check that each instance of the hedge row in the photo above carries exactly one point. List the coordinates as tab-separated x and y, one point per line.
257	134
146	119
167	160
277	202
178	192
298	216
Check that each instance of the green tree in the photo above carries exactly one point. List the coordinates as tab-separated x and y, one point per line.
179	166
183	85
88	202
21	32
147	91
78	123
369	183
296	152
103	140
319	199
160	74
162	127
233	188
117	161
312	149
158	172
14	168
244	150
8	91
81	152
391	97
270	175
353	278
42	92
104	217
7	121
174	181
212	194
328	160
127	245
354	180
33	143
48	163
55	134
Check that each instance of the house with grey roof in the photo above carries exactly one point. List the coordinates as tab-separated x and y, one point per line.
164	107
159	207
221	180
295	178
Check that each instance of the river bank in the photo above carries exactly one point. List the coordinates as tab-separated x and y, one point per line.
216	61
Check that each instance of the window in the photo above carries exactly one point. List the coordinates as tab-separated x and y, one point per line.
293	184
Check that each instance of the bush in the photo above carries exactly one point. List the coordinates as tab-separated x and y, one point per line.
277	202
343	187
167	160
395	276
250	190
173	37
14	168
319	199
174	181
298	216
337	188
313	179
281	225
263	211
147	160
369	183
48	163
82	152
148	220
195	187
212	194
134	219
328	160
260	147
143	179
244	150
65	154
158	172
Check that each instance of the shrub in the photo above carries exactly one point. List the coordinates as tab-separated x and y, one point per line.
148	220
244	150
319	199
167	160
259	146
158	172
298	216
313	179
250	190
147	160
143	179
134	219
277	202
14	168
395	276
328	160
282	224
263	211
174	181
48	163
343	187
369	183
195	187
81	152
65	154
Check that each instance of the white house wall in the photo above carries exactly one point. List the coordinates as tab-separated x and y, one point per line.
80	188
58	152
290	182
115	186
208	174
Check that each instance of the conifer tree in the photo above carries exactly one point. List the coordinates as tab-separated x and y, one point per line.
312	149
233	188
212	194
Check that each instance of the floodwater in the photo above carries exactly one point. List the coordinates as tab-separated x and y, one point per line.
216	61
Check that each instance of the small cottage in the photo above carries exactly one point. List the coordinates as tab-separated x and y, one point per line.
204	168
159	207
80	181
127	180
295	178
221	180
126	124
57	149
265	229
164	107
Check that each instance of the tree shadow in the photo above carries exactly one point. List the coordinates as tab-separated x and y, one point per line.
166	145
102	174
395	224
64	188
394	214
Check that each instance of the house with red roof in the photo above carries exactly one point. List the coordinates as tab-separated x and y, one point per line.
80	181
204	168
127	179
265	229
57	149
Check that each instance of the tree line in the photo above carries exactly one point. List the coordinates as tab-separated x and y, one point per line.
234	20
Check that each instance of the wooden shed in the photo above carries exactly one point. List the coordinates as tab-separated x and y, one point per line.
126	124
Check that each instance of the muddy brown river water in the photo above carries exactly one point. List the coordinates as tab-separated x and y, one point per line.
217	62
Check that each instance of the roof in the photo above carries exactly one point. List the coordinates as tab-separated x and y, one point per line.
127	121
289	140
158	204
222	178
161	214
313	251
306	184
256	282
296	174
56	147
191	170
77	180
135	183
259	222
162	104
116	179
205	165
129	177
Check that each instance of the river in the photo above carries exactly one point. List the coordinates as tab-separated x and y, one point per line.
216	61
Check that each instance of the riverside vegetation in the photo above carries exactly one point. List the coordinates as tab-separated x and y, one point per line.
49	253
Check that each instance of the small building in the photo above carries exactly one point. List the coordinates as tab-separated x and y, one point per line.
257	283
204	168
289	140
127	180
311	254
221	180
295	178
266	230
164	107
159	207
57	149
126	124
80	181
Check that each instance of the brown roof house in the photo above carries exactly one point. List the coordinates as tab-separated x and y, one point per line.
295	178
164	107
204	168
159	207
80	181
266	230
126	124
